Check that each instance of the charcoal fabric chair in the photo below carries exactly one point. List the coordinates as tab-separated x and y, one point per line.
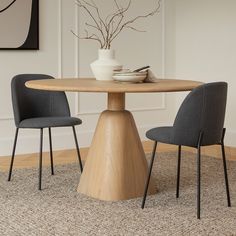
199	122
37	109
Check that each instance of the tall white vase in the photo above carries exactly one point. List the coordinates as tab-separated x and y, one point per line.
105	65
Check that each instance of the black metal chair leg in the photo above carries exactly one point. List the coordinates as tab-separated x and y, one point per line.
225	169
199	183
178	171
40	159
199	176
77	148
51	153
149	174
13	154
226	175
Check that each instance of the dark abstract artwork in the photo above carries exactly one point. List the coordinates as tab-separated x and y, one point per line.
19	24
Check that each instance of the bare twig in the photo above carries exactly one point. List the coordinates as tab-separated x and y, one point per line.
92	37
81	5
121	14
112	25
93	5
133	28
136	18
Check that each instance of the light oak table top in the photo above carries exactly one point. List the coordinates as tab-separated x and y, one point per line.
92	85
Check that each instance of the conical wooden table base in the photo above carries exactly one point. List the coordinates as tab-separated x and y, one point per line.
116	167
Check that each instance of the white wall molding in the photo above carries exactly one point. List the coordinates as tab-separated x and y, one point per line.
163	31
30	143
60	66
230	138
56	51
77	97
60	43
79	112
62	141
4	118
140	109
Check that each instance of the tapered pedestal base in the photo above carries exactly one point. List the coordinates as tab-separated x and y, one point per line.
116	167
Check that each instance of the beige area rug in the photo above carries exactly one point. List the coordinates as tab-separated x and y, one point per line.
60	210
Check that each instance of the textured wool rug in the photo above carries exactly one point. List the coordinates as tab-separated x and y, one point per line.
59	210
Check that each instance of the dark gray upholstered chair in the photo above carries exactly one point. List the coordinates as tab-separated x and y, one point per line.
199	122
36	109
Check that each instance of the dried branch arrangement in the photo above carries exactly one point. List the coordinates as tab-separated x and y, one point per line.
108	28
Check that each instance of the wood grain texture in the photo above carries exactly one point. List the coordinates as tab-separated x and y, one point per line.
27	161
116	101
116	167
92	85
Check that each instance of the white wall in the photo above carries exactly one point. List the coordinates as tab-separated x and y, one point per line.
206	48
61	55
189	40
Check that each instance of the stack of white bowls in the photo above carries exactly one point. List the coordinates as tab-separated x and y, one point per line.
129	76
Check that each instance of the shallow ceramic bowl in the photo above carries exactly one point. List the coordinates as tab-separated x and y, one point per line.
130	73
130	78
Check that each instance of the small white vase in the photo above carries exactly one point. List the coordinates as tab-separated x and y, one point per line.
105	65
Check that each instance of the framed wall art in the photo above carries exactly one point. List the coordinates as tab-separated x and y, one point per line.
19	24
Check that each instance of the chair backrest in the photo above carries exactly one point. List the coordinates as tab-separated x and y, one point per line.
203	110
29	103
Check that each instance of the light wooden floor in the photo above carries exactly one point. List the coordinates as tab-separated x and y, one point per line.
70	156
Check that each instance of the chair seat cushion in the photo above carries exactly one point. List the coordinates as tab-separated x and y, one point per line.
45	122
160	134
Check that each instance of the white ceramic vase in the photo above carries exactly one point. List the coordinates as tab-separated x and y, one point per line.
105	65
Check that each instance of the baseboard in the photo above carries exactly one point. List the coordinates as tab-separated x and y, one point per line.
30	144
61	141
230	138
65	141
63	157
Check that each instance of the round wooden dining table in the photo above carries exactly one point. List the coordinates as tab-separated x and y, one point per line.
116	166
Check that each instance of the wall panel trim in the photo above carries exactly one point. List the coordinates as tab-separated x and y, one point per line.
79	112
